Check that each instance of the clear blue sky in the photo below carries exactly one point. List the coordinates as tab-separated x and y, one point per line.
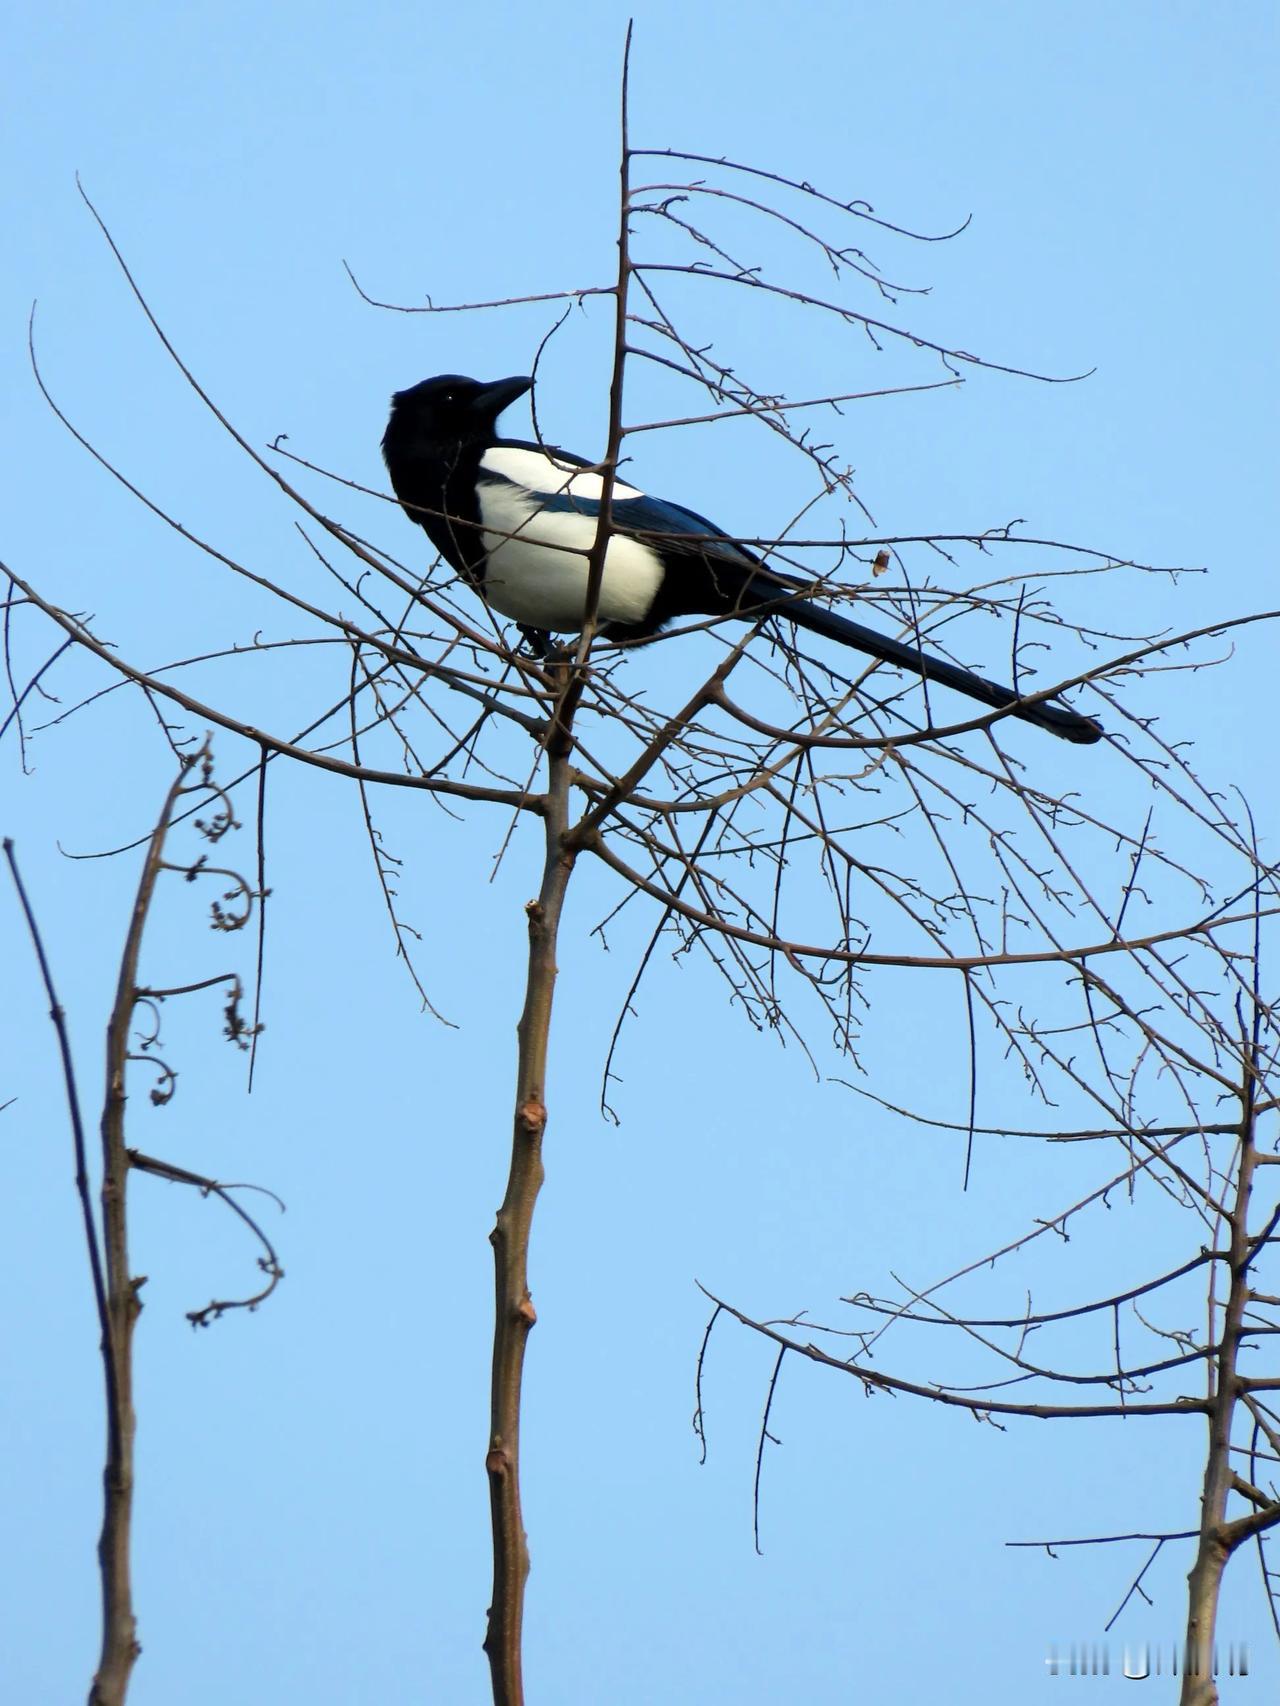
312	1507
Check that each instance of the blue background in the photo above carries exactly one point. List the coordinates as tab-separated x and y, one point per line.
312	1510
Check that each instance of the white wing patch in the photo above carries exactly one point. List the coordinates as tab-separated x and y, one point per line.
541	472
537	557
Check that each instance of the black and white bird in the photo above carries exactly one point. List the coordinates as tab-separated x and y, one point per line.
517	521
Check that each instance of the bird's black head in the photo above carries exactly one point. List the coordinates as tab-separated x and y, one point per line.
451	411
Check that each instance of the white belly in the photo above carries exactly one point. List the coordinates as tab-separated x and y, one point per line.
537	564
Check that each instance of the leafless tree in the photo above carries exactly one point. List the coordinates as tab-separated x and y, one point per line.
809	826
133	1039
1185	1086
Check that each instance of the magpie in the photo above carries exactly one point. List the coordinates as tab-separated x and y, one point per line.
517	520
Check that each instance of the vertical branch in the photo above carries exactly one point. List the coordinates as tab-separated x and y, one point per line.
119	1625
1217	1540
510	1239
114	1291
613	444
59	1017
514	1311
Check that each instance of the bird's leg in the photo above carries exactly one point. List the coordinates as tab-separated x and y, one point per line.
538	641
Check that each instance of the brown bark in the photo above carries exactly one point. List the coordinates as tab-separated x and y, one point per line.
514	1311
119	1624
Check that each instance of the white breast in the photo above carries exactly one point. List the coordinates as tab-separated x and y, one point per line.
537	557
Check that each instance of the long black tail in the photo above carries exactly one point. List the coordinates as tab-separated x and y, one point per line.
1070	725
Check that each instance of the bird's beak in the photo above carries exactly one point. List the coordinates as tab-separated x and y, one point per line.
491	400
